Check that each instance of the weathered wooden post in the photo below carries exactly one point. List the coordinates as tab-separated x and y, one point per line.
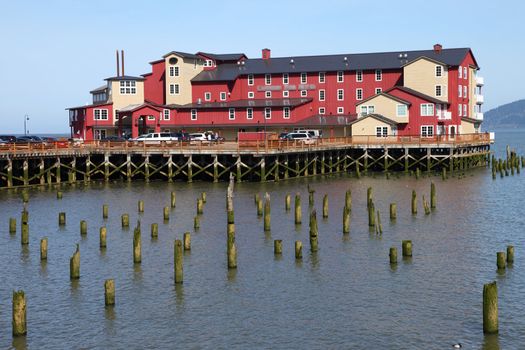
406	246
393	211
287	202
259	207
109	292
490	308
298	249
19	313
298	211
25	233
267	213
393	255
379	226
501	260
414	202
177	250
12	225
368	196
187	241
203	197
196	223
311	193
173	199
426	206
443	173
105	211
166	213
325	206
61	218
102	237
43	248
433	200
140	206
25	196
314	245
418	173
371	214
59	194
137	246
125	220
74	265
256	198
83	227
348	200
278	246
154	230
346	220
510	254
231	248
200	206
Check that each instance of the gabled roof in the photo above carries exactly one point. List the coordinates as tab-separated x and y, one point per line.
135	107
327	120
99	89
424	58
330	63
395	98
259	103
471	120
182	54
223	57
417	94
377	117
102	104
124	77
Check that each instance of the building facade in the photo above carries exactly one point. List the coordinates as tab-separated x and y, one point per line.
406	93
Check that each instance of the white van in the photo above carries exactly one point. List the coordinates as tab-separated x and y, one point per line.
303	137
156	137
314	133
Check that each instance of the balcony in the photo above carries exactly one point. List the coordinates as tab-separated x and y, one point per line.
445	116
480	81
480	99
479	116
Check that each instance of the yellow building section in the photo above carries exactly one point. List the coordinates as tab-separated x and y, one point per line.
468	127
179	72
124	93
385	105
368	126
424	75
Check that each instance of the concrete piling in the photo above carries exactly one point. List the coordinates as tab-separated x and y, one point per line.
62	218
287	202
393	255
187	241
109	292
298	249
19	322
74	265
177	256
490	308
154	230
501	260
393	211
267	213
105	211
125	220
83	227
137	245
12	225
325	206
102	237
298	211
166	213
43	248
278	246
510	254
314	243
406	246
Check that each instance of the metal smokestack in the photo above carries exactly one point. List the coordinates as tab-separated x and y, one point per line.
118	64
122	54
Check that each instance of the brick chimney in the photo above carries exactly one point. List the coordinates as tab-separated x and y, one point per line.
438	48
266	53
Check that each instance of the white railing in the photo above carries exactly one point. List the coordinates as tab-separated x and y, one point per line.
479	116
480	81
445	116
480	99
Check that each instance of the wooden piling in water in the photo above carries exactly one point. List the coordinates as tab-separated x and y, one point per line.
259	207
43	248
19	322
393	255
74	265
256	198
325	206
501	260
187	240
278	246
443	173
433	199
140	206
105	211
200	206
166	212
177	257
103	237
311	200
62	218
379	226
369	195
371	214
414	202
137	245
12	225
314	243
490	308
173	199
154	230
298	249
510	254
25	196
59	194
287	202
83	227
24	237
267	212
406	246
125	220
346	220
203	197
393	211
109	292
426	206
298	211
348	200
196	222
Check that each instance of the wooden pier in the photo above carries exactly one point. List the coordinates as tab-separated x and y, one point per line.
269	160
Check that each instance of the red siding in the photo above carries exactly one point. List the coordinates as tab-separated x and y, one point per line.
154	85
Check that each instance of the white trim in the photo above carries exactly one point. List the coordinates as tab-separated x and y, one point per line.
465	76
231	114
340	110
340	76
267	79
249	113
250	79
267	112
164	114
304	78
424	109
440	71
357	93
378	72
286	93
323	76
460	72
397	110
251	94
174	89
322	110
340	94
465	91
440	90
193	114
323	93
378	90
207	96
359	76
268	94
127	87
286	79
427	129
102	112
380	131
304	93
285	111
221	95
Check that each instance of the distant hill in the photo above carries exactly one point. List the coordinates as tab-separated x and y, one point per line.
510	115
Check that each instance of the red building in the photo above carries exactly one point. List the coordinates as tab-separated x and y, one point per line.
424	93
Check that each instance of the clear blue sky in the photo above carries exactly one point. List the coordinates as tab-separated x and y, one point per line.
54	52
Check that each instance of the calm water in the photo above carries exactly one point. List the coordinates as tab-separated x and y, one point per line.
345	296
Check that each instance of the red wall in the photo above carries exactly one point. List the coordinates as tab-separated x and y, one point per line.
154	85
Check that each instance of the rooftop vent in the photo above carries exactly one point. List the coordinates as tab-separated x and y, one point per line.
291	61
438	48
266	54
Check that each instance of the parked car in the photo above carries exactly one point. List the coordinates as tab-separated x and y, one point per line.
49	139
314	133
301	137
8	138
156	137
282	136
113	138
181	136
29	139
198	136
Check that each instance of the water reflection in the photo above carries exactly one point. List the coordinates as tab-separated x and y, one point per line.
231	275
179	294
137	273
43	268
24	254
491	342
19	343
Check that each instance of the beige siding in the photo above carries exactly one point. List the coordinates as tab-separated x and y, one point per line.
421	76
120	101
385	106
467	127
367	126
188	69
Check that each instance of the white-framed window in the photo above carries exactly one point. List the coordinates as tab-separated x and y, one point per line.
465	73
465	91
322	110
427	109
340	76
222	96
166	114
381	131
460	72
208	63
151	117
286	79
128	87
193	114
231	113
249	113
340	94
267	113
460	90
378	91
439	71
251	94
100	134
460	110
304	93
268	79
439	90
100	114
250	79
379	75
174	71
401	110
174	89
321	95
465	110
304	78
286	93
366	109
340	110
207	96
322	76
427	130
286	112
359	76
358	94
268	94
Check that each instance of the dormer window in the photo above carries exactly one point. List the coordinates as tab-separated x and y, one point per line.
128	87
209	63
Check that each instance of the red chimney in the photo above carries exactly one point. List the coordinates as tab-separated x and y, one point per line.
438	48
118	66
266	53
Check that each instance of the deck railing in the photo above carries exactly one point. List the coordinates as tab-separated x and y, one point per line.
257	146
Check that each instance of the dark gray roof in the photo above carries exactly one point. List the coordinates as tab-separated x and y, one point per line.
271	102
99	89
379	117
326	120
223	57
125	77
182	54
416	93
330	63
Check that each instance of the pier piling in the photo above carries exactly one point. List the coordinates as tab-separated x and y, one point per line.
105	211
267	213
74	265
346	220
187	241
154	230
490	308
393	255
62	218
12	225
287	202
43	248
393	211
298	211
298	249
501	260
19	313
102	237
414	202
510	254
278	246
137	245
166	213
173	199
177	250
83	227
125	220
109	292
406	246
325	206
314	244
